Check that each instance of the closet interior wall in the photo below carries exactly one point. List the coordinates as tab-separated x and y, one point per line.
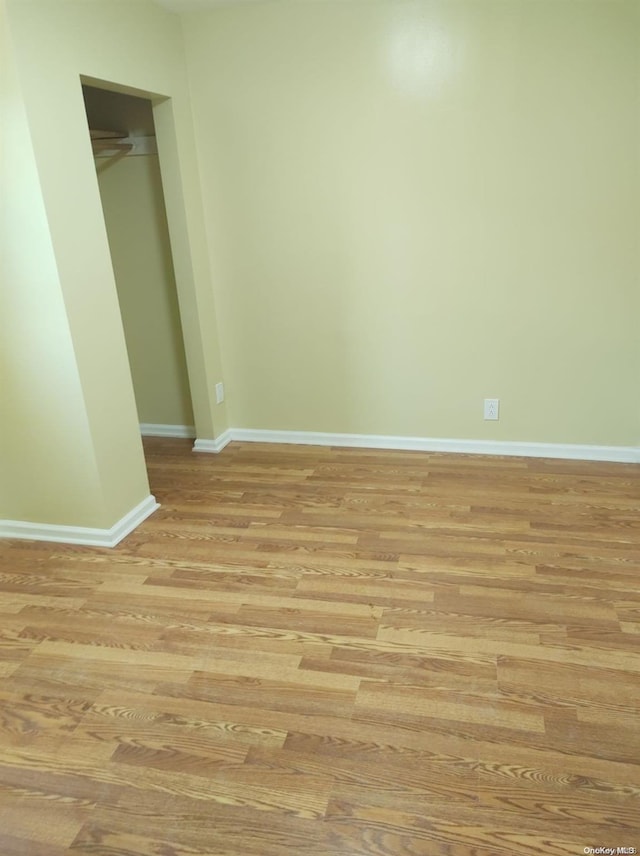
130	186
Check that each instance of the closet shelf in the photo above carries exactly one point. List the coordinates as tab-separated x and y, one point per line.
111	144
97	134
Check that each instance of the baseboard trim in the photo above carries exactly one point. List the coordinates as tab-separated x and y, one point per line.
214	446
80	534
151	429
619	454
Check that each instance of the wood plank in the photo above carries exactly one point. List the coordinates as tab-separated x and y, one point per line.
331	651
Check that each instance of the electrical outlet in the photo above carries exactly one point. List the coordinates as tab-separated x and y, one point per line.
492	409
219	393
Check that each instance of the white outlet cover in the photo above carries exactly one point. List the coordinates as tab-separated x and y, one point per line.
219	393
492	409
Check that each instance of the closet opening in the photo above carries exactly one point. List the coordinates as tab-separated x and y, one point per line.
123	139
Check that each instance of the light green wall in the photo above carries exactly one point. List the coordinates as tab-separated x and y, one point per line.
45	442
396	209
70	377
415	205
133	205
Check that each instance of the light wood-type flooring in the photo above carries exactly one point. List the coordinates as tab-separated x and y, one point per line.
331	652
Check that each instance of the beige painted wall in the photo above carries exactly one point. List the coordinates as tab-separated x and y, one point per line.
42	416
63	256
133	205
397	209
415	205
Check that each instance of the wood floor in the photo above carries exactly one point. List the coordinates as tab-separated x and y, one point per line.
331	653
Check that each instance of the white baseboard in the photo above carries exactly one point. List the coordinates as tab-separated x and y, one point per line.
213	445
150	429
622	454
80	534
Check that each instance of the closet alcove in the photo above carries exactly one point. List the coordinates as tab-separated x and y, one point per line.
122	133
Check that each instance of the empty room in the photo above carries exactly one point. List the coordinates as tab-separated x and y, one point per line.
319	427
